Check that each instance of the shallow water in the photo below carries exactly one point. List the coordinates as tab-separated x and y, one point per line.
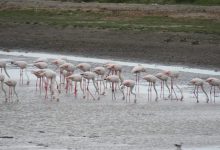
101	61
76	123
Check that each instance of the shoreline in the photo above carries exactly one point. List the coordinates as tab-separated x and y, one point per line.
155	66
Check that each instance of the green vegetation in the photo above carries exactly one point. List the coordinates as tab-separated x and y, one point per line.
198	2
107	20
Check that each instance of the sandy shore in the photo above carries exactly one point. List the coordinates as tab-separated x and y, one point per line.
75	123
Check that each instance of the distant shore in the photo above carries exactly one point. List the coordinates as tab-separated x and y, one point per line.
185	48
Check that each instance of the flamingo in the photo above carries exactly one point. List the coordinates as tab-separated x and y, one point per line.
151	79
164	78
213	82
173	76
68	67
137	71
66	74
76	78
37	73
50	76
100	71
58	63
90	76
2	78
41	65
130	86
22	65
114	79
197	82
3	66
116	69
11	84
84	67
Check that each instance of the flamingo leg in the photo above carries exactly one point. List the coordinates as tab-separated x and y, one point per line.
154	85
28	80
207	97
210	93
2	87
22	78
90	91
6	72
15	93
174	91
136	80
104	87
167	88
75	89
197	91
40	85
181	92
131	90
127	95
122	90
36	84
138	83
148	92
214	94
46	88
161	88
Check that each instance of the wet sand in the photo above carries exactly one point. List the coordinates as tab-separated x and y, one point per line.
76	123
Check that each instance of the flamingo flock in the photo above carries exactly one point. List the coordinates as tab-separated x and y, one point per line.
110	75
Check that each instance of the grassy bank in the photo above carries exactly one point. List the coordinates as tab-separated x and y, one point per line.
107	20
197	2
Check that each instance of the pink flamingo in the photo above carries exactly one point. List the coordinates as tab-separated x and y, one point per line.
213	82
37	73
3	66
66	74
2	78
197	82
84	67
173	76
164	78
88	75
11	84
130	86
137	71
70	68
22	65
114	79
41	65
100	71
50	75
151	79
58	63
76	78
116	69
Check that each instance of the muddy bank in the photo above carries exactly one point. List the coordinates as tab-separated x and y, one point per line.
191	49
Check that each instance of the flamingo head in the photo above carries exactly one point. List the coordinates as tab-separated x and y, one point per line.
167	73
209	80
